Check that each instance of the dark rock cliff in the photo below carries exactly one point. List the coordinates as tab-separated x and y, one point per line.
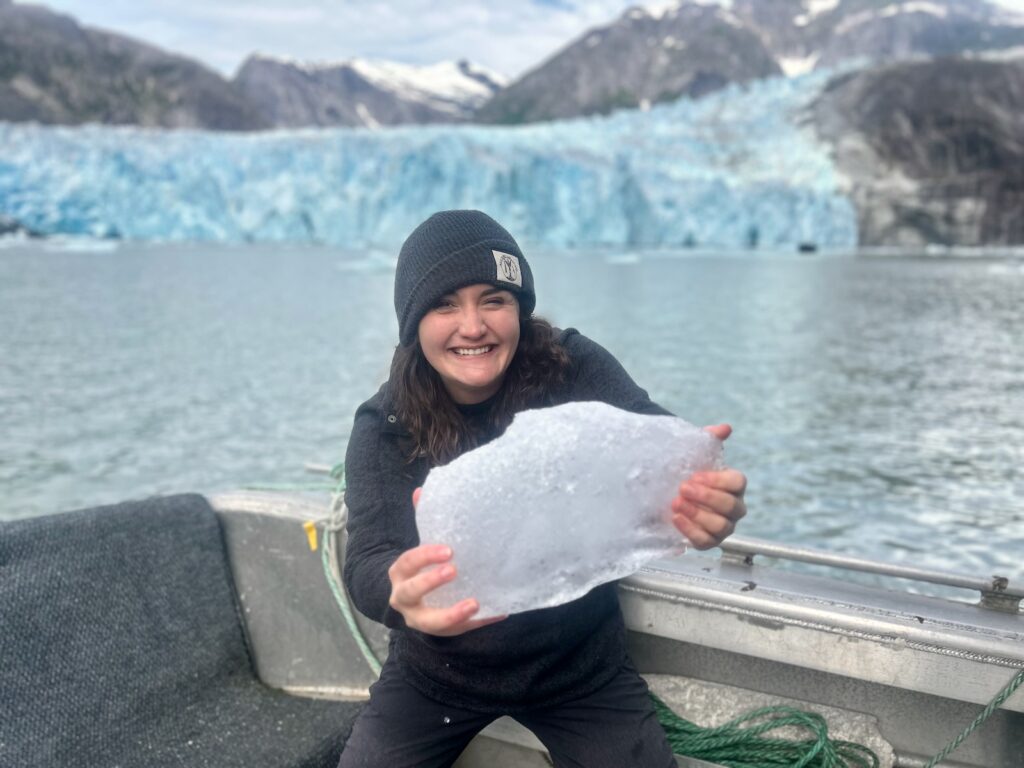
933	151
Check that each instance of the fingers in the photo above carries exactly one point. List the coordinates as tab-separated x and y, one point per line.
728	504
698	536
412	561
704	529
728	480
708	506
411	575
448	622
710	498
411	591
444	622
420	570
714	522
721	431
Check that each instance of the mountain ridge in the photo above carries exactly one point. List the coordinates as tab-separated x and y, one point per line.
697	49
55	71
361	92
645	61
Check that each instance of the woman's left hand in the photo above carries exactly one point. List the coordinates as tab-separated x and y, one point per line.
709	504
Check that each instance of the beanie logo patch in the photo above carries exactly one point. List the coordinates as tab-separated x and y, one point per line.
507	267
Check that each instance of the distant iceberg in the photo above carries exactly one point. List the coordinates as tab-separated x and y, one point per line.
734	168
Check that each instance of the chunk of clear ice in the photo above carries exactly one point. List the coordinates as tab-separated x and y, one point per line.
568	498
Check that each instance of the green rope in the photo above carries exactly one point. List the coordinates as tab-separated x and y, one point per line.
742	743
1008	690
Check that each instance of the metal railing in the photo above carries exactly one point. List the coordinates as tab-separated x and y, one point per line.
996	592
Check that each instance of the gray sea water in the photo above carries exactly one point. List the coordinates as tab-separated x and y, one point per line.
877	401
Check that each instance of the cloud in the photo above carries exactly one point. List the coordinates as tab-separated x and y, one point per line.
509	37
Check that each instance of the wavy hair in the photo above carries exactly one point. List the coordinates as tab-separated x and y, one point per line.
438	429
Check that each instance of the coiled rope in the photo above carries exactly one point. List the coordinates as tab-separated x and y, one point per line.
742	742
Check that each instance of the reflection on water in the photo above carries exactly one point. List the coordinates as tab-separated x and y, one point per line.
878	403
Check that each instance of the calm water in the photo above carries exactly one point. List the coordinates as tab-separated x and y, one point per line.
878	403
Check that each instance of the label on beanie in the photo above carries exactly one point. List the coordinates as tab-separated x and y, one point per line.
507	266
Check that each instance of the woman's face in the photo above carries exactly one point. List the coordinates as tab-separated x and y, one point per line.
470	337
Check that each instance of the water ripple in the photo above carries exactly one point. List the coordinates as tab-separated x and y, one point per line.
878	404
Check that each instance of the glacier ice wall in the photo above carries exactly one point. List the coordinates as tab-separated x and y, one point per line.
715	172
568	498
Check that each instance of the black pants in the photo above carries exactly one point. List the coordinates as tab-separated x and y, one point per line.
614	727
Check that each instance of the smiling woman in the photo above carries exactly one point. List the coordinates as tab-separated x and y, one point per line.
471	356
469	338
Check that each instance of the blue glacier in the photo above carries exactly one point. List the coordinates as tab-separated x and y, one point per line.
738	164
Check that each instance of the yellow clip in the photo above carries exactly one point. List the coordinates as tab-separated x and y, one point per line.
310	527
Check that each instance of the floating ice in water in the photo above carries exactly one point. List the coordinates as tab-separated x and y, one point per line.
568	498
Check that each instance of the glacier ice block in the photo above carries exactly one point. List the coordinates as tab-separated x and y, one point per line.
568	498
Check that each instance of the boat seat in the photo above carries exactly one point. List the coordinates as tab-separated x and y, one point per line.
121	644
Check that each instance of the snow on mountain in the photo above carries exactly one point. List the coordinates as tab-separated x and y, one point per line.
359	92
912	29
661	9
793	66
444	85
887	12
1006	54
813	9
671	8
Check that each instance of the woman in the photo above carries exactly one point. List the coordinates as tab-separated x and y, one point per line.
471	356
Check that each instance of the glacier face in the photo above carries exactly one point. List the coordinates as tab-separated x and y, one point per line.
736	165
568	498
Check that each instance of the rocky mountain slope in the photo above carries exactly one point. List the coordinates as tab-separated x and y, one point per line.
690	48
52	70
803	34
933	152
645	56
291	94
55	71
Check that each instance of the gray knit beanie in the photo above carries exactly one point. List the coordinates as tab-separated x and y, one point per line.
450	250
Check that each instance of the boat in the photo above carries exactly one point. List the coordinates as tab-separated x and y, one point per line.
193	631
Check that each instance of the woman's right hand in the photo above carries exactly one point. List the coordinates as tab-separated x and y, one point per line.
412	578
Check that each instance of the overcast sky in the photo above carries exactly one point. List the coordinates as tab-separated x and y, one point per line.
509	36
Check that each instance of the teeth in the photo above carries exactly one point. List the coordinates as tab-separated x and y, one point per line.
471	352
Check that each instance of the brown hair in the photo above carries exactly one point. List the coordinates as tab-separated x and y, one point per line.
427	410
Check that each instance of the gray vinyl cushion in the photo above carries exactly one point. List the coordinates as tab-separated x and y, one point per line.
121	645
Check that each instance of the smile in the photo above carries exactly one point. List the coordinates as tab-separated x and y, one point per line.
472	351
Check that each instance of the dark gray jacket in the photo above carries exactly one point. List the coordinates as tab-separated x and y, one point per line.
538	657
